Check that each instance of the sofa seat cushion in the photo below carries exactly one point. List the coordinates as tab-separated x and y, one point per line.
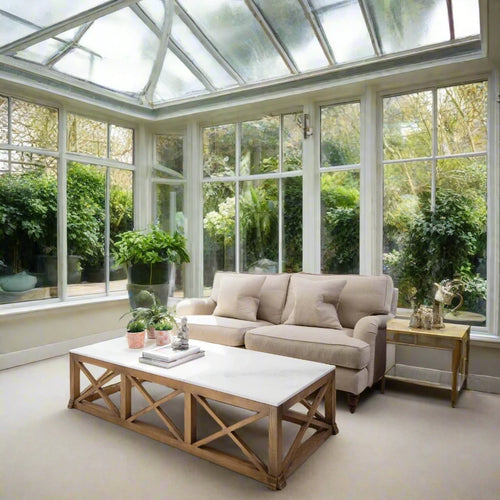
220	330
325	345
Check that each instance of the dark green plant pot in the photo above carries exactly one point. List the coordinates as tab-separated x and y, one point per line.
148	274
160	291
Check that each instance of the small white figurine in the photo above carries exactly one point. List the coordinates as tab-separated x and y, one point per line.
182	341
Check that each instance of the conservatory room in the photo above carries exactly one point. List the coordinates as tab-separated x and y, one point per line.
296	203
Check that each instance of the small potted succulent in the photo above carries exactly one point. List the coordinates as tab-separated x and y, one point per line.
163	330
136	333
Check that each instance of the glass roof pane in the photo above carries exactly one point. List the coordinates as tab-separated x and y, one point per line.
15	30
197	52
345	29
410	24
239	37
295	32
42	51
466	18
154	9
121	62
44	13
176	80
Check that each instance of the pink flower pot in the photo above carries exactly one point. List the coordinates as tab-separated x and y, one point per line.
163	337
136	339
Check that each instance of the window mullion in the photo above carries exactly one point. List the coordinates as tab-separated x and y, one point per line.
280	198
237	200
62	208
434	148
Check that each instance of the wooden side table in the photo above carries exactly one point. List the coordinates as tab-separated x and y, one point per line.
453	337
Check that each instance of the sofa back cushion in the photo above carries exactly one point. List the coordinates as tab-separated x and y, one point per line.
239	296
273	294
361	296
315	302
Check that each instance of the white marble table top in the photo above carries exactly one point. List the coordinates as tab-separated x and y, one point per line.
262	377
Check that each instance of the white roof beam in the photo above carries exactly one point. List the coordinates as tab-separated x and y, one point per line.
69	45
205	41
176	48
318	30
371	27
268	30
65	25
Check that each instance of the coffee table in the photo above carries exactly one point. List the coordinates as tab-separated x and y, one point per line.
266	386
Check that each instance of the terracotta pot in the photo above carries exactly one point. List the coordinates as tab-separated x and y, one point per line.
163	337
136	339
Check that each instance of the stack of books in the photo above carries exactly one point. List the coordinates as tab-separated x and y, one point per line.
166	357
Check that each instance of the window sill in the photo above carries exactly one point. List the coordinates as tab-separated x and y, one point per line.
23	309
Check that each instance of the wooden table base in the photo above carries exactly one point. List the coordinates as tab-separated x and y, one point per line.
272	473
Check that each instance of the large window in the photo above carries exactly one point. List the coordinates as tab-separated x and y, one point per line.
168	196
340	159
97	197
252	196
435	195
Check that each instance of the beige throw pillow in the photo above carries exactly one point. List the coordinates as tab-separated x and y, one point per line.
238	296
315	303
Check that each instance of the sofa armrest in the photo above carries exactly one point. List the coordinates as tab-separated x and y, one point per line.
195	306
372	330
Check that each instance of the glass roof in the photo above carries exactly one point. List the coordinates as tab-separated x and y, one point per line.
161	51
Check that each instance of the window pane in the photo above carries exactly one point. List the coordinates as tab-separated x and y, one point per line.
176	80
121	219
41	52
405	184
410	24
22	161
239	37
34	125
345	29
16	30
4	119
260	146
340	140
28	232
155	9
340	222
169	153
292	224
87	136
462	192
218	230
169	212
294	30
200	55
121	145
121	53
466	18
408	126
292	142
258	207
86	195
462	119
219	151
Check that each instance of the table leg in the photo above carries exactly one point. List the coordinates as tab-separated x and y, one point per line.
467	349
189	418
125	397
275	448
331	405
74	380
454	369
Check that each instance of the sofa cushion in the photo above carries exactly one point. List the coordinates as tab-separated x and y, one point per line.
220	330
272	294
239	296
315	303
361	296
335	347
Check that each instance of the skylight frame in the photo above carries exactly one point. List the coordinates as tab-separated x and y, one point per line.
145	100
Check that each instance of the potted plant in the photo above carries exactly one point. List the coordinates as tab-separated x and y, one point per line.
147	256
136	332
163	331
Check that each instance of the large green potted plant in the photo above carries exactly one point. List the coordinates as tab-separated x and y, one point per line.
147	256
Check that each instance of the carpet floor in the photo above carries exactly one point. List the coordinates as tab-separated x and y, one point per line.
405	444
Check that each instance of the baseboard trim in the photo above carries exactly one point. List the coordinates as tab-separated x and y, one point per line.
484	383
17	358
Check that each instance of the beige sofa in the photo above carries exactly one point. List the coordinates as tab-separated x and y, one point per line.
335	319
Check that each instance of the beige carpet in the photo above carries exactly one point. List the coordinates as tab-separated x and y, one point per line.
405	444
